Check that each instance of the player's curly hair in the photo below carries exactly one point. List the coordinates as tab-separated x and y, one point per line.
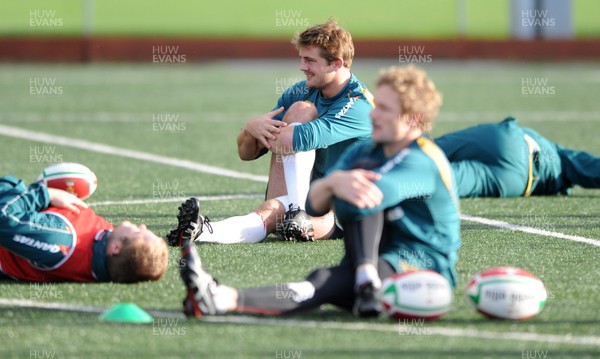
419	98
334	41
138	261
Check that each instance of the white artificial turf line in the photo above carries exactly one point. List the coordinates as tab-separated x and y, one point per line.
517	227
123	152
199	167
298	323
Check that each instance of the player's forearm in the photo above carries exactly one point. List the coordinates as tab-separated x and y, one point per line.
320	196
16	198
283	144
17	201
248	146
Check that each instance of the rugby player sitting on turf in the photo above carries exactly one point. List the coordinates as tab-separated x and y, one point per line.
313	122
395	198
506	160
49	235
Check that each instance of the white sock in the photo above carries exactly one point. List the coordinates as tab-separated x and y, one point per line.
285	201
241	229
367	273
224	298
297	169
303	290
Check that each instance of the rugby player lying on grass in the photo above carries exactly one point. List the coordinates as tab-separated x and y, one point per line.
395	198
49	235
506	160
312	124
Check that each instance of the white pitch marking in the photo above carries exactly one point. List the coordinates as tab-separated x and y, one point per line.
24	303
516	227
123	152
297	323
96	147
177	199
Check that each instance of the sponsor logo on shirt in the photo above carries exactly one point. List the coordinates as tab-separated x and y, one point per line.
345	109
33	243
399	157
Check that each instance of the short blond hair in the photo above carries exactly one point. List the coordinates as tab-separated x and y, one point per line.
138	261
418	95
333	40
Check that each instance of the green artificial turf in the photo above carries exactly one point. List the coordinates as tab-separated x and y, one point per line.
117	105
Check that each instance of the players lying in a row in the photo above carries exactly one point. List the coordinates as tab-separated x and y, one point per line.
49	235
316	120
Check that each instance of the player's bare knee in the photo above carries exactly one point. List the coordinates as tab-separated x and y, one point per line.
301	111
324	226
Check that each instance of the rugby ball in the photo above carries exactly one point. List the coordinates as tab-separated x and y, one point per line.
423	294
507	293
74	178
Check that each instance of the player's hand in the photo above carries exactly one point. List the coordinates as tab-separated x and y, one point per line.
356	187
265	128
62	199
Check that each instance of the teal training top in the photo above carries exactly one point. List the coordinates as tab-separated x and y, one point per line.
494	160
554	165
422	224
489	160
342	120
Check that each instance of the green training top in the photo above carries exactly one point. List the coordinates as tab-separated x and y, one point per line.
422	224
342	120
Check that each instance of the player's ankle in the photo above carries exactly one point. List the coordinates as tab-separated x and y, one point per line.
367	273
226	299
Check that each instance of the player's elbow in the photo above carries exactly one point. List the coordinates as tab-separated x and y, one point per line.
315	205
248	150
243	154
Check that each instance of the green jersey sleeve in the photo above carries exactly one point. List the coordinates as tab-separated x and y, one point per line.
16	200
344	120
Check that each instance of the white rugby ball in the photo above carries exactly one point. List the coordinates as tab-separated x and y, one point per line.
507	293
74	178
423	294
